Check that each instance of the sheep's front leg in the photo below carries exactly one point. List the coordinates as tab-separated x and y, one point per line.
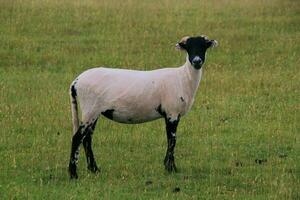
171	126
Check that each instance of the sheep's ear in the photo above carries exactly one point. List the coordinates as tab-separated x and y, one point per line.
182	44
212	43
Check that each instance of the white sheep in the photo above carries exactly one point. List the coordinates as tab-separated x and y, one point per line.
131	96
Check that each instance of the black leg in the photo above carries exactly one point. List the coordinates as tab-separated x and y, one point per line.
87	144
171	127
76	140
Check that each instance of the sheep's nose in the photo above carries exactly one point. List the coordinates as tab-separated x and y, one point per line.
197	61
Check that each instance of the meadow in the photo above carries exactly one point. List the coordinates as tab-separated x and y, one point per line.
241	140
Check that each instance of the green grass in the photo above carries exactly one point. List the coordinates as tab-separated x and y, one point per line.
247	106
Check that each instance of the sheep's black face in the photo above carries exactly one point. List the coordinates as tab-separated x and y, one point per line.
196	48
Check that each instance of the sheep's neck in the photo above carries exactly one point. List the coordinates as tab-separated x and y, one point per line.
191	78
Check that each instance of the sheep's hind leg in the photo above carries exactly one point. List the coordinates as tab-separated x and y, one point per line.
171	127
87	144
76	141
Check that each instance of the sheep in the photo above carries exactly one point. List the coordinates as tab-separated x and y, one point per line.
131	97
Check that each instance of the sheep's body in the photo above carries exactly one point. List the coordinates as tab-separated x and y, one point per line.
136	96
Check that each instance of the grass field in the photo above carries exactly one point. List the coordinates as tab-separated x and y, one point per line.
241	140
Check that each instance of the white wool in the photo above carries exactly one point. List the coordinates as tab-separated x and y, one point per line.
136	95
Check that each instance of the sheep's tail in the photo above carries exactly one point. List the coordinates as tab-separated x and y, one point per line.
74	107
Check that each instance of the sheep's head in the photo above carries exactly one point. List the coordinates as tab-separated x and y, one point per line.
196	48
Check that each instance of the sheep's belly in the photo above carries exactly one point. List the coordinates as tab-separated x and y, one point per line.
133	117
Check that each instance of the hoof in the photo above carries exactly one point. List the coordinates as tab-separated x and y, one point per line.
170	164
74	176
72	171
93	168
